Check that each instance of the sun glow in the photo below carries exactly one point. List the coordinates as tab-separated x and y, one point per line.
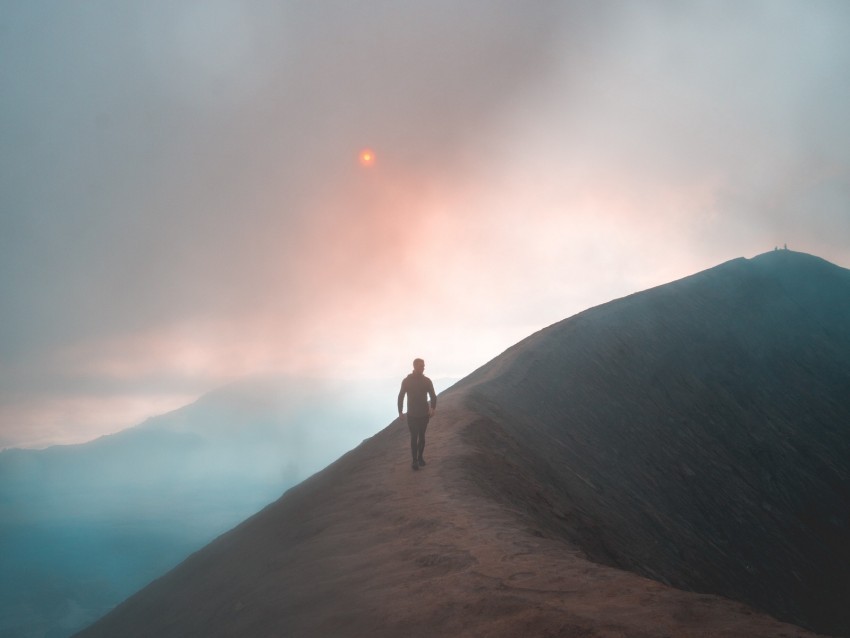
367	157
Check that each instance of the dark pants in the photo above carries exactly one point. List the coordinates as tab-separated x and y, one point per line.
417	425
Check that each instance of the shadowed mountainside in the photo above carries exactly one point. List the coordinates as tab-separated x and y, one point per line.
697	433
614	474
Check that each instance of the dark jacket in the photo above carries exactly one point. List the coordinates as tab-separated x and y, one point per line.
418	388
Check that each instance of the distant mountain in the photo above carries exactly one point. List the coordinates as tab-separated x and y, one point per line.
84	526
633	470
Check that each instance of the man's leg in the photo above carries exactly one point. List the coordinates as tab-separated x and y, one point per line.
413	427
421	446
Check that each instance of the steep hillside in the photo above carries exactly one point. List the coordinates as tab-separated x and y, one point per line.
630	471
697	433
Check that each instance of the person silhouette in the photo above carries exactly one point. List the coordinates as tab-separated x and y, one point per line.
418	388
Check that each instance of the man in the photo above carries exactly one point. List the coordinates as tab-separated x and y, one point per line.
418	388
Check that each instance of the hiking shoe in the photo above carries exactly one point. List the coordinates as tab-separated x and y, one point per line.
421	461
415	465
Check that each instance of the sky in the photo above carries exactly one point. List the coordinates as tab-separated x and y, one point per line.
182	202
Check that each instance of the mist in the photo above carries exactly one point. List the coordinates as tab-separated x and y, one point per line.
85	526
182	203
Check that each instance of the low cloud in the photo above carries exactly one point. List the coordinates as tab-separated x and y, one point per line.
182	201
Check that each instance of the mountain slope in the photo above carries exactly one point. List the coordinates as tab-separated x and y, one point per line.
691	437
699	433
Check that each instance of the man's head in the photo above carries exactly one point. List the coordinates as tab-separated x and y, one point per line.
419	366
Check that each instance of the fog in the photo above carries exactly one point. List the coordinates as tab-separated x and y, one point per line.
85	526
181	203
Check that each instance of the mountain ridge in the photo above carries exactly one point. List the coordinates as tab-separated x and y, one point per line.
629	470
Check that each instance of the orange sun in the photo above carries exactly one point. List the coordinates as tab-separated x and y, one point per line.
367	157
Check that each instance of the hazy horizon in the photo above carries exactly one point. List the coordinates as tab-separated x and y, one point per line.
182	202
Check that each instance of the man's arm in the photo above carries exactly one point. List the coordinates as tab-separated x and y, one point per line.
433	396
401	398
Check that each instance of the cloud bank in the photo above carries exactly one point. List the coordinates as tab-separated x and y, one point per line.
182	202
